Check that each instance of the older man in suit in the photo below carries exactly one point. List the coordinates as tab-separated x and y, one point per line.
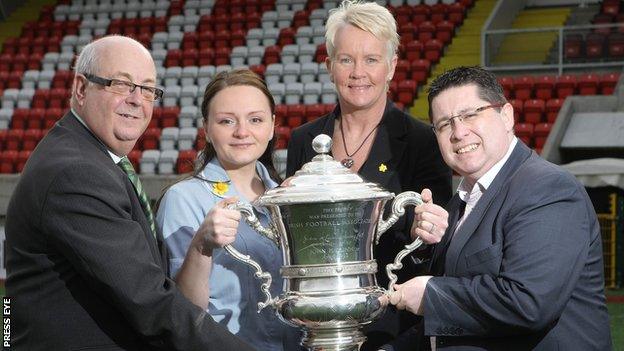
86	266
520	265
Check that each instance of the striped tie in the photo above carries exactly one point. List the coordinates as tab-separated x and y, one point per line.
127	167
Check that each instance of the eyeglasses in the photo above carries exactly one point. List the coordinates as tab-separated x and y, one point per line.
124	87
468	118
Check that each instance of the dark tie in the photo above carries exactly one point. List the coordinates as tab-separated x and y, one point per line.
437	267
127	167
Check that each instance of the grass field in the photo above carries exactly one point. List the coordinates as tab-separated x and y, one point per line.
616	314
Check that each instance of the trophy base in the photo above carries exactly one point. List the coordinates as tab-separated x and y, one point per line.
334	339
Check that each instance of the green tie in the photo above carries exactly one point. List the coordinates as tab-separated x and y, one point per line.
126	166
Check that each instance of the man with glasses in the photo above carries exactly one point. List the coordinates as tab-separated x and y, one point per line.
86	265
520	264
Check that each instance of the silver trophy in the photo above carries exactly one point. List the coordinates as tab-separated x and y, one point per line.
326	220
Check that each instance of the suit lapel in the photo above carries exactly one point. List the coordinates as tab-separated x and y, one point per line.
439	250
72	123
517	157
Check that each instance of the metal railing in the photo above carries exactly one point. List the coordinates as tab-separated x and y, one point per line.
491	41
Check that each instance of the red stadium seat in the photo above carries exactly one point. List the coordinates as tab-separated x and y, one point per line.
611	7
200	141
14	139
283	136
40	99
237	21
456	13
301	18
169	116
615	45
190	40
594	45
51	116
253	19
15	79
150	138
433	50
507	84
541	134
258	69
206	56
552	109
544	86
222	56
205	39
438	13
281	113
35	118
407	32
413	50
314	111
403	14
19	119
185	162
58	98
321	53
189	57
524	132
272	54
402	70
523	87
31	139
8	160
134	157
296	115
588	84
3	138
406	92
222	39
286	37
534	110
445	31
174	57
420	14
608	82
518	107
420	70
565	86
22	157
426	31
238	37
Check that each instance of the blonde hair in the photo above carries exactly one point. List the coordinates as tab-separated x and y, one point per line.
367	16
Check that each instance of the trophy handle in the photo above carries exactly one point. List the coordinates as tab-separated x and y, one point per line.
398	209
250	217
247	212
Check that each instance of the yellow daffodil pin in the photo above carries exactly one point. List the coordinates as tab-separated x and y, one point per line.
220	188
383	168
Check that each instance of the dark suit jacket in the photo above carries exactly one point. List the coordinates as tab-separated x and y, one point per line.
410	152
84	270
524	271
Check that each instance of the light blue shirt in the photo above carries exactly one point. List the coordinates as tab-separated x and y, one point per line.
234	290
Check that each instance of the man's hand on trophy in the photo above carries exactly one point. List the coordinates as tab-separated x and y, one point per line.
430	220
220	226
409	295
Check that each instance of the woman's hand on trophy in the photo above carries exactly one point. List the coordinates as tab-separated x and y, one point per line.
220	225
409	295
430	220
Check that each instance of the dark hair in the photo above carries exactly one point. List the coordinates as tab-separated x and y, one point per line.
224	80
488	87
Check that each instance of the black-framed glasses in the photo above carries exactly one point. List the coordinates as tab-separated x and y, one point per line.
447	124
125	87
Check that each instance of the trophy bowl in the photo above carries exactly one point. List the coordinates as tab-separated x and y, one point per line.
326	219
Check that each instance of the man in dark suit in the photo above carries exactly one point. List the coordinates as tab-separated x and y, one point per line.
520	265
86	268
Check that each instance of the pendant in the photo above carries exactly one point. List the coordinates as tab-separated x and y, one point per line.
347	162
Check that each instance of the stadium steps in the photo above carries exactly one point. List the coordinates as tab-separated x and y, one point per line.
532	47
29	11
464	50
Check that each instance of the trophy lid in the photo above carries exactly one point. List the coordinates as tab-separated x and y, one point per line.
323	179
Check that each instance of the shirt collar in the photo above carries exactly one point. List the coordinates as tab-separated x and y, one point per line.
464	190
115	158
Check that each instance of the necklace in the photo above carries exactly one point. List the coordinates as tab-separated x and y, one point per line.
348	161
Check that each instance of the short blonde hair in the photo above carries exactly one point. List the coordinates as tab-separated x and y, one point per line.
367	16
